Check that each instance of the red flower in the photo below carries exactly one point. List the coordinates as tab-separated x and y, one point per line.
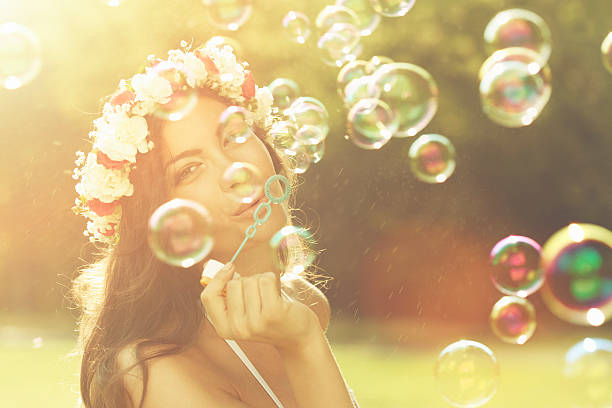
122	97
248	86
211	68
101	208
108	163
110	231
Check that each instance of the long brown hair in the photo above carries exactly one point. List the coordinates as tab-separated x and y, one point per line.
127	295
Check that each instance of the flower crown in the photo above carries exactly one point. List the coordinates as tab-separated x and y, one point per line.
122	132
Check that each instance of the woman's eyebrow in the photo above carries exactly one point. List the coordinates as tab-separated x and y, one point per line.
186	153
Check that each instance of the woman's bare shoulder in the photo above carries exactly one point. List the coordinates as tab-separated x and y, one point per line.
300	289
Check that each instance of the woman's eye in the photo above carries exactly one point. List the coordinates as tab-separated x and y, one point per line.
187	172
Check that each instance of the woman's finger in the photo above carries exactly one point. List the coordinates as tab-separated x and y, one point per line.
213	299
235	307
252	301
269	290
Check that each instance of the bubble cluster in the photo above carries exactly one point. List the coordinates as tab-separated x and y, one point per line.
180	233
297	26
367	19
606	52
19	55
392	8
515	262
411	93
513	319
284	91
577	266
233	126
371	124
432	158
290	237
228	14
308	111
243	182
518	28
587	372
467	374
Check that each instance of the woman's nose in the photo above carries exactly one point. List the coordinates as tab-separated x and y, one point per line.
243	181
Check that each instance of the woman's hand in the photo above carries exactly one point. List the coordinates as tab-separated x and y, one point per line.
254	310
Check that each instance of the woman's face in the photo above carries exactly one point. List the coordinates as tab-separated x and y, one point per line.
195	157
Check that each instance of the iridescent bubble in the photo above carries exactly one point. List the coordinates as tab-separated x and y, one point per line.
331	15
587	373
297	26
233	126
606	52
180	233
284	91
410	92
367	19
467	374
228	14
518	28
19	55
392	8
309	135
513	319
243	182
339	44
309	111
516	266
301	159
315	151
515	86
577	266
283	134
432	158
370	124
349	71
376	62
288	238
357	90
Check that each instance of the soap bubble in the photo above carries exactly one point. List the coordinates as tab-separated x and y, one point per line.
180	233
19	55
301	159
284	91
283	134
315	151
410	92
357	90
376	62
349	71
297	26
392	8
228	14
243	182
432	158
371	123
309	135
516	266
518	28
290	237
367	19
515	86
331	15
606	52
587	373
513	319
306	110
577	266
467	374
339	44
233	126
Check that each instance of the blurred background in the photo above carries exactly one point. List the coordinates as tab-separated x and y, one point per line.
409	260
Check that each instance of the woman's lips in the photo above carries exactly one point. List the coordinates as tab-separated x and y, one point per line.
248	207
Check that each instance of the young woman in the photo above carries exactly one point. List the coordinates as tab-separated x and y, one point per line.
149	335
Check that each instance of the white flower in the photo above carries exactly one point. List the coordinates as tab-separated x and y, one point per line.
107	185
195	70
264	103
151	86
121	137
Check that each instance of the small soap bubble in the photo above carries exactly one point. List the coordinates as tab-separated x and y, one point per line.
306	110
432	158
349	71
340	44
331	15
515	86
228	14
518	28
301	160
180	233
513	319
467	374
19	55
357	90
285	91
577	266
371	124
233	126
411	93
243	182
297	26
587	372
367	19
606	52
516	266
376	62
392	8
290	237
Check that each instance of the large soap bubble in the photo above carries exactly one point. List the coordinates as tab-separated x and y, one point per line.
588	372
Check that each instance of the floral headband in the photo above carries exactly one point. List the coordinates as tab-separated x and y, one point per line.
122	132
